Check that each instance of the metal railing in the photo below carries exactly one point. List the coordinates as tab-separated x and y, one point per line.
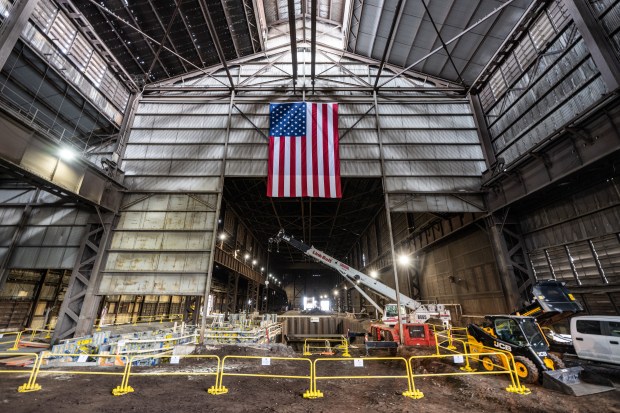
30	385
360	363
326	348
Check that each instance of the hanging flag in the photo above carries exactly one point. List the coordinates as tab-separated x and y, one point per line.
303	150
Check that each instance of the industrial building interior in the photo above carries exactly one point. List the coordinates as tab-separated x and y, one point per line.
479	155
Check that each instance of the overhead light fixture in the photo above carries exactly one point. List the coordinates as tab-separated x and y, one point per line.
67	154
246	256
373	274
404	259
222	236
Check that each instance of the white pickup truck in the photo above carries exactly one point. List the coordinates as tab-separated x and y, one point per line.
596	338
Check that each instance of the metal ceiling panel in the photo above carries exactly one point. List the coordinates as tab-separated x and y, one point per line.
415	37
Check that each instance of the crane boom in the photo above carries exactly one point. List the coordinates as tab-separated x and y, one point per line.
352	275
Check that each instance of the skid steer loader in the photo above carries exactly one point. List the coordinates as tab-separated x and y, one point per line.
523	338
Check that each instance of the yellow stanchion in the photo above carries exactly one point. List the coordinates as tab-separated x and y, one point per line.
411	392
344	345
33	386
514	387
125	388
30	385
16	342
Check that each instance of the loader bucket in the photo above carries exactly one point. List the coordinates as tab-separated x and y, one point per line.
576	381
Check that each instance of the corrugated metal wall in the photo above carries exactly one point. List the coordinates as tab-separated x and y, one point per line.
161	245
577	240
51	235
177	145
547	80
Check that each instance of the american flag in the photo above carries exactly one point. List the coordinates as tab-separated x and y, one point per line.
303	150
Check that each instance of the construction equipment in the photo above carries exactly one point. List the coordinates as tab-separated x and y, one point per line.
551	303
416	334
518	335
419	312
521	335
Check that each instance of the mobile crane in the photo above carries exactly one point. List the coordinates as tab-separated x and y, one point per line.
420	313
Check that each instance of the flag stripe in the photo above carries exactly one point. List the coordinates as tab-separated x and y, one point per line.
336	150
326	150
315	152
270	167
282	171
303	150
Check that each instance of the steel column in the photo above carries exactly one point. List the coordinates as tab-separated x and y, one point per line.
504	268
386	199
220	192
79	307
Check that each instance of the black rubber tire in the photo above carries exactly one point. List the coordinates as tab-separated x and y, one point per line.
558	364
526	370
489	363
375	334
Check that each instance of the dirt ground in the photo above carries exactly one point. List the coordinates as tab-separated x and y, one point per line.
187	392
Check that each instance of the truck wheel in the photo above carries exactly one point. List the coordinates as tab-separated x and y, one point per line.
375	334
526	370
558	364
489	363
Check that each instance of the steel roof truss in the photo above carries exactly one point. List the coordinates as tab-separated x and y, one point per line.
163	40
453	39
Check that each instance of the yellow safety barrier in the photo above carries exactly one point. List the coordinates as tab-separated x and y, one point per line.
34	332
46	355
344	345
265	361
410	392
125	388
515	386
30	385
15	341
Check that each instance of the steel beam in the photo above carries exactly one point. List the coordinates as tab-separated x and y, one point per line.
596	40
556	158
483	130
390	39
13	26
443	44
293	34
453	39
220	194
79	307
313	5
163	40
35	159
85	27
507	279
216	40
